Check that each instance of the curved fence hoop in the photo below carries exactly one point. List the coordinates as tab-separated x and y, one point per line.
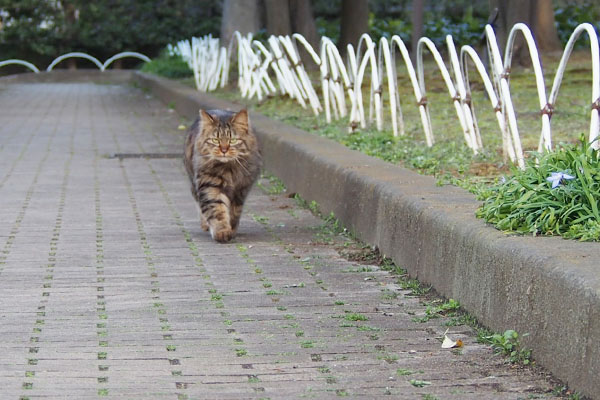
545	136
125	54
397	42
307	46
594	130
20	62
471	131
466	53
426	42
384	61
375	92
501	81
300	75
75	55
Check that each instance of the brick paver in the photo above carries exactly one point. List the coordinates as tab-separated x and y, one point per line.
109	288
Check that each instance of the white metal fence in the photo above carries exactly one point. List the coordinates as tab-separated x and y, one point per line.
265	69
101	66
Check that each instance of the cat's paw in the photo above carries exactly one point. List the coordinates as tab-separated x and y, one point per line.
223	236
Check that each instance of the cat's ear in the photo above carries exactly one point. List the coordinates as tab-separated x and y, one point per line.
240	121
206	117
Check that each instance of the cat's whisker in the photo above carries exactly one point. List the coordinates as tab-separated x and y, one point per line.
241	165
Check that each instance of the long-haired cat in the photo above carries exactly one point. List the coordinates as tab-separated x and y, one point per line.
222	160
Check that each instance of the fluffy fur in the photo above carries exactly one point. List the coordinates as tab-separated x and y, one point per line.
223	161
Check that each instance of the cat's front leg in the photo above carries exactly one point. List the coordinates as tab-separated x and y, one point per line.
216	210
203	223
236	212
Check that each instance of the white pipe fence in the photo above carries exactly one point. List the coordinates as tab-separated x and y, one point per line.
86	56
341	83
261	65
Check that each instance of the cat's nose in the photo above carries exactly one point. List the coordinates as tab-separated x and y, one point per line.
224	148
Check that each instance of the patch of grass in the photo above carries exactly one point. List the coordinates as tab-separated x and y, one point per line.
508	344
527	202
389	295
355	317
276	293
389	358
274	186
261	219
414	286
419	383
367	328
565	392
404	372
436	310
241	352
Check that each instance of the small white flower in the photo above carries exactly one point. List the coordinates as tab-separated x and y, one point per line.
557	177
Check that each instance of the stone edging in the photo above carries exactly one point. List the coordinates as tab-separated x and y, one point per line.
546	287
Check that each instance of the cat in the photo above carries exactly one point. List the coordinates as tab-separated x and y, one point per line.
223	161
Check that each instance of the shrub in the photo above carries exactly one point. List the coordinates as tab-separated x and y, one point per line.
169	66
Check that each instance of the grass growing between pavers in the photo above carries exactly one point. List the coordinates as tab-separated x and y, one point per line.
449	312
292	325
170	346
102	324
158	306
34	339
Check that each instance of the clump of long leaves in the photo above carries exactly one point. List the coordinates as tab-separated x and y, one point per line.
527	202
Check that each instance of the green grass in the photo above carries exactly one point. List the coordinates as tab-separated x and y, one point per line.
355	317
527	203
168	66
273	185
439	308
419	383
509	345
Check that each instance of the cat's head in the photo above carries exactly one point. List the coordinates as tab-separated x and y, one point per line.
225	136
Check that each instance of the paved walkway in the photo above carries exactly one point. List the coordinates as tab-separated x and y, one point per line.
109	288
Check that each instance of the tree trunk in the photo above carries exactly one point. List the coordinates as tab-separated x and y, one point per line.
239	15
355	22
278	17
71	64
303	21
70	19
417	23
537	14
545	32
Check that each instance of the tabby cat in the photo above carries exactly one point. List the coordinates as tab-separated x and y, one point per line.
222	160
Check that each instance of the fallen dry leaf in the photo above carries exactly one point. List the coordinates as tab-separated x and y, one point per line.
448	343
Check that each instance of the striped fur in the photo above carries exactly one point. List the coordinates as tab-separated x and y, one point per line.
223	161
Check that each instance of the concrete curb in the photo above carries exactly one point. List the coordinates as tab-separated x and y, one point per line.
546	287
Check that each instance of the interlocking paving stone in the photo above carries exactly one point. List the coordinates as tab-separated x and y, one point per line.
109	288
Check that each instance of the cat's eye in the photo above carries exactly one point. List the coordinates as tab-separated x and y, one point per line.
215	141
233	141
